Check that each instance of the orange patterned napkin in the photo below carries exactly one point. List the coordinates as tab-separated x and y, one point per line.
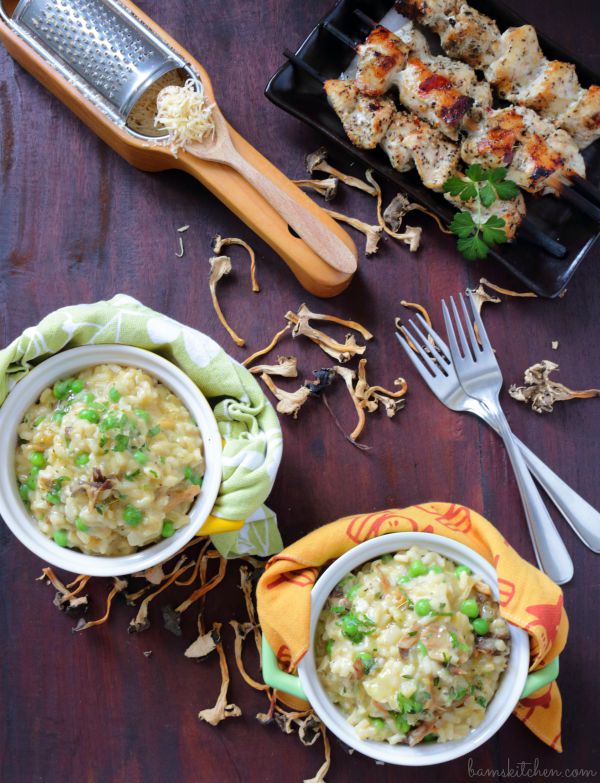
528	598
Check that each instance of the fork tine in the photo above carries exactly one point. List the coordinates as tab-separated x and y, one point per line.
472	336
485	340
442	347
403	337
458	325
432	349
454	349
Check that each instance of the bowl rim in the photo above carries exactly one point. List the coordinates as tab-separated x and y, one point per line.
497	712
71	361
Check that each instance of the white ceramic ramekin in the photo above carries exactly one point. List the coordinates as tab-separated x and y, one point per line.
71	362
514	684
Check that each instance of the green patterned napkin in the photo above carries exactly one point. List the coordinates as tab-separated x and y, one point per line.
247	422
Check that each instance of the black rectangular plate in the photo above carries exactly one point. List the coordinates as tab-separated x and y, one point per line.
297	93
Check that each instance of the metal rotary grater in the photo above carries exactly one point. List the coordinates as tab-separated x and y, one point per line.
100	47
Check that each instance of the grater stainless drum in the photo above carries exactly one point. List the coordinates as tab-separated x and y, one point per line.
107	61
103	49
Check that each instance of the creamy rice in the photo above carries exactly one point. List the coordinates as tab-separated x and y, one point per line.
411	648
109	461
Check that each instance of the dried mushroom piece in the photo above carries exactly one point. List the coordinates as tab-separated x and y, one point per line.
268	348
411	236
480	296
204	644
324	187
541	392
507	291
372	233
221	710
398	208
304	312
317	161
219	242
368	398
288	403
342	352
219	267
286	367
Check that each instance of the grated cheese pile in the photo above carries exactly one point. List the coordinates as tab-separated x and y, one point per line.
185	113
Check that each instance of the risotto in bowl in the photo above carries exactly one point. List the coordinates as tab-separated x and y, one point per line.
410	660
111	459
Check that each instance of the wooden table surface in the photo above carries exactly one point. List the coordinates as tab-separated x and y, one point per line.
79	224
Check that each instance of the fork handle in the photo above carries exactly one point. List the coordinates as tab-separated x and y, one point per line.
577	512
550	551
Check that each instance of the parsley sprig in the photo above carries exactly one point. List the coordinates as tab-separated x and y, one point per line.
482	187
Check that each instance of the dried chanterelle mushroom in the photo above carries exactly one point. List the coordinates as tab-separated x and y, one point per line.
342	352
372	233
286	367
317	161
324	187
288	402
411	236
219	267
542	392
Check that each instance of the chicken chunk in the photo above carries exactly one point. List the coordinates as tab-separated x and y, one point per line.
533	150
518	63
553	89
433	97
435	157
471	36
432	13
381	56
582	118
364	119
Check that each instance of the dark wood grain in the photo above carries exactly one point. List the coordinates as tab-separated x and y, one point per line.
78	224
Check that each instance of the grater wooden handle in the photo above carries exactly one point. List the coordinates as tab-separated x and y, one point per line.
323	258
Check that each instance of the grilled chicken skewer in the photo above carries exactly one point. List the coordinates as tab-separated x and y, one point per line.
538	156
514	63
410	142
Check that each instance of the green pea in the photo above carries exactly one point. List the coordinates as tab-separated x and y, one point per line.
153	431
112	420
113	394
61	389
58	416
24	491
80	525
351	594
462	569
32	481
61	537
53	498
431	737
402	580
367	661
88	397
329	646
132	516
436	569
82	458
417	568
192	477
168	528
480	626
89	414
402	724
121	443
378	723
140	457
76	385
142	414
423	607
387	557
37	459
470	608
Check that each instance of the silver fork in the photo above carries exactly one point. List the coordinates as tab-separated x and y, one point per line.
480	376
442	380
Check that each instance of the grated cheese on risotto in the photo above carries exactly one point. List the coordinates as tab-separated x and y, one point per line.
185	113
109	461
411	648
